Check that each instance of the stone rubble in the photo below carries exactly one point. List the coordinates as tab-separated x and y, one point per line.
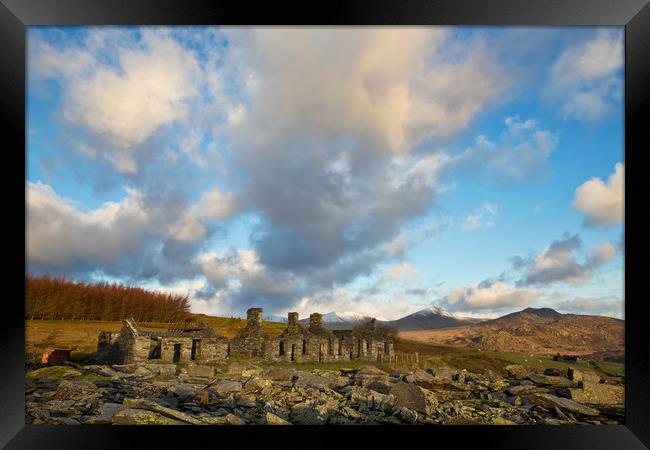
135	395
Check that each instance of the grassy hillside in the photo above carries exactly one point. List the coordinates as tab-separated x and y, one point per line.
82	335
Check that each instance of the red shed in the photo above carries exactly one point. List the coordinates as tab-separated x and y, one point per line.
55	356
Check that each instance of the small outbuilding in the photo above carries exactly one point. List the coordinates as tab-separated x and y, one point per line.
55	356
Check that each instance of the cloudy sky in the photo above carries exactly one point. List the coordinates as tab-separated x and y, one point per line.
377	170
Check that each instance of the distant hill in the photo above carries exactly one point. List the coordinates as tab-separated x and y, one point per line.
429	319
535	330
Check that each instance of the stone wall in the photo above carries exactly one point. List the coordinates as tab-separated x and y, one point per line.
129	346
184	349
296	344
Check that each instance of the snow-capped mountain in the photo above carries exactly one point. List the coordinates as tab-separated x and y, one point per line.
343	320
345	316
429	319
425	319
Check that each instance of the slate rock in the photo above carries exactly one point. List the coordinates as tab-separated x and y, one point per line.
226	386
598	394
132	416
408	396
547	380
565	404
272	419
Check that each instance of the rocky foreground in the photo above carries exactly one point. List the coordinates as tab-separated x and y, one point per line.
156	394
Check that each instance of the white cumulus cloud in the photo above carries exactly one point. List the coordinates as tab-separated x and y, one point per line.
602	203
490	295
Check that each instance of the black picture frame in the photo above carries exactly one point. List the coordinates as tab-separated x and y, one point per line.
634	15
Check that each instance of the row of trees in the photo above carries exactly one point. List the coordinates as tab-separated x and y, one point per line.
57	298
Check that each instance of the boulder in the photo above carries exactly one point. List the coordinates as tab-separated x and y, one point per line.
408	396
200	370
311	414
516	371
576	375
421	378
306	379
598	394
551	371
365	380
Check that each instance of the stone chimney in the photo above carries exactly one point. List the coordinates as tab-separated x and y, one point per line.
254	317
292	321
315	322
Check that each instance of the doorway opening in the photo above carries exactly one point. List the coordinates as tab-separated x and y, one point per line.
196	349
154	349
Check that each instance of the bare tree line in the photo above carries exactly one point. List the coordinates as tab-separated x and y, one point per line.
59	298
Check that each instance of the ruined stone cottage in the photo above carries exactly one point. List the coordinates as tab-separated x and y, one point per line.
314	343
191	343
200	343
251	340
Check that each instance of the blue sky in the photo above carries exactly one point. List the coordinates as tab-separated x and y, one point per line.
375	170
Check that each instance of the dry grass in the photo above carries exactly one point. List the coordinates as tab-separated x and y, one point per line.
82	336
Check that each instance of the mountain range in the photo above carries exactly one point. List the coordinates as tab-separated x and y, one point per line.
535	330
425	319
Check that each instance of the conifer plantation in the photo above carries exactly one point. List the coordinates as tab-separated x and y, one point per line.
59	298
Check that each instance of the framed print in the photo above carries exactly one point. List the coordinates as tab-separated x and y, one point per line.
407	216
